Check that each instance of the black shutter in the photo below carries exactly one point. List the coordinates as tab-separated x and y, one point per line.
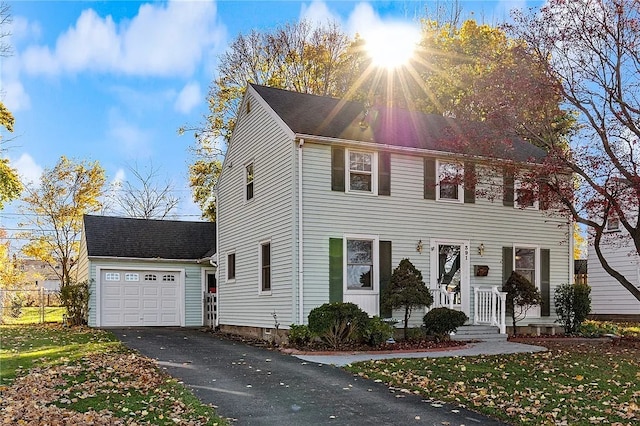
469	183
430	178
337	168
507	263
543	195
385	274
384	173
507	188
545	282
335	270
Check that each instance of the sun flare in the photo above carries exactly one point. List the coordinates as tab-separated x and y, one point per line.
391	45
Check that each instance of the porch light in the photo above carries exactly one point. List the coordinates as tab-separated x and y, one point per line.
481	249
419	246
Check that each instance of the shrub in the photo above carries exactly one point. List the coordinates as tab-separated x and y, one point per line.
441	322
338	323
75	298
415	333
521	296
407	290
598	328
377	331
573	304
299	335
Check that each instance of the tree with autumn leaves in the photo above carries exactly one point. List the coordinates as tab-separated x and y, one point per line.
589	48
54	209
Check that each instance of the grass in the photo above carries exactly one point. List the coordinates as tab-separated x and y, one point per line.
573	384
84	375
31	315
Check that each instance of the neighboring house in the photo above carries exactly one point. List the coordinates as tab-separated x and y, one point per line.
146	272
319	199
609	299
40	273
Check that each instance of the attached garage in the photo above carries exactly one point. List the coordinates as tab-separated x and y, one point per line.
140	298
145	272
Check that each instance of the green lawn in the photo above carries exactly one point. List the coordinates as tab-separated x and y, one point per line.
34	315
575	384
84	375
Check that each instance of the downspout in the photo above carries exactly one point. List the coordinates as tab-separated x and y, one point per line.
572	242
217	306
300	240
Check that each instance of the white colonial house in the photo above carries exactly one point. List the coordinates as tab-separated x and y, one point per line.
609	299
320	198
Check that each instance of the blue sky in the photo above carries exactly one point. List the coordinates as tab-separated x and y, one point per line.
112	81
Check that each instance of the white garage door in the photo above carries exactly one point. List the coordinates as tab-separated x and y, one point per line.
139	298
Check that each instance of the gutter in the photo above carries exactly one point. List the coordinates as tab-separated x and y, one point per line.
300	239
144	259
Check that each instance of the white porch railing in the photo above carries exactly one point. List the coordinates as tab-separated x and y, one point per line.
442	298
489	307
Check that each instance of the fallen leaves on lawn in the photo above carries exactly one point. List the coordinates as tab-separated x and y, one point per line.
42	396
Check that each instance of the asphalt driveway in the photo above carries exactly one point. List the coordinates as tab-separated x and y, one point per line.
256	386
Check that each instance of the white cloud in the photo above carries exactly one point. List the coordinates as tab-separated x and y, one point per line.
120	177
318	13
188	98
161	40
132	141
28	169
14	96
365	21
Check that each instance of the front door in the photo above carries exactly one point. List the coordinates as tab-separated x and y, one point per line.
450	272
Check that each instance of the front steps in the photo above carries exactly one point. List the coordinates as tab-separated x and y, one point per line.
479	332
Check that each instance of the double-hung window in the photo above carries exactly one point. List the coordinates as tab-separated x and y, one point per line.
613	224
526	195
450	184
526	263
249	181
265	267
361	171
359	266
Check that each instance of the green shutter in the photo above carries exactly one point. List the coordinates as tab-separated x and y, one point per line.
507	263
337	168
507	188
385	274
430	178
384	173
469	183
335	270
545	282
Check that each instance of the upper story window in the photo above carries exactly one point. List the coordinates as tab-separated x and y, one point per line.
525	195
231	266
613	224
450	184
249	181
361	171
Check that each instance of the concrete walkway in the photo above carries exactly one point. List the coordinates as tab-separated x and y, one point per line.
471	349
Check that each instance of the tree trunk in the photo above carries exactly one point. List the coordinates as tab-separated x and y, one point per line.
406	322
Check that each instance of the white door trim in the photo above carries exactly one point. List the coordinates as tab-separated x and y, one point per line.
465	274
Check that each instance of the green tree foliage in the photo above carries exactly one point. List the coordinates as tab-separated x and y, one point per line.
573	304
522	295
407	291
75	298
54	211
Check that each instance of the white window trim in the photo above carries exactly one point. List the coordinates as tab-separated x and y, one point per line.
244	179
376	262
460	185
607	229
260	291
226	272
374	172
537	266
517	184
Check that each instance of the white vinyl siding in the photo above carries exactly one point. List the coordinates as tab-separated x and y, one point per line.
270	215
406	217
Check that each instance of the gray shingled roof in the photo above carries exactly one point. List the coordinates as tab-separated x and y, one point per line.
334	118
108	236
